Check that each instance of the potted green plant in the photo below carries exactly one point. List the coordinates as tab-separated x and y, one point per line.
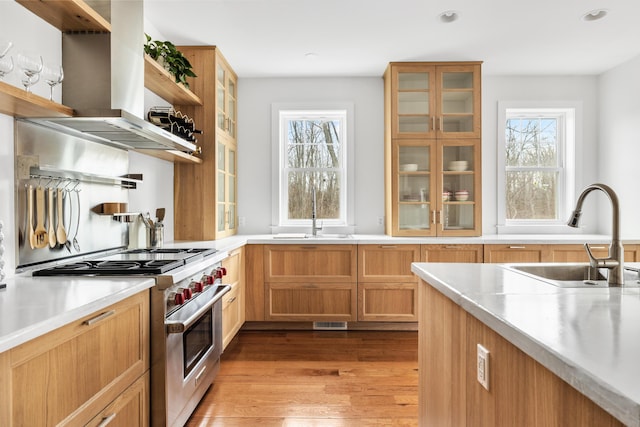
166	54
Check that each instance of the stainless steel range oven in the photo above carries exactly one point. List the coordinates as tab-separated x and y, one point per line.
186	320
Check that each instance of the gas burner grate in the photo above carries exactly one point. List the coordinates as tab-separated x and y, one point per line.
110	268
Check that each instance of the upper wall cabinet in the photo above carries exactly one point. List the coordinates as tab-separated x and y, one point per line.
210	189
434	100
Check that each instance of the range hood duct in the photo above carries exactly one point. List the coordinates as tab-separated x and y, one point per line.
104	84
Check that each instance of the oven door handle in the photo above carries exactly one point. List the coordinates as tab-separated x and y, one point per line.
180	326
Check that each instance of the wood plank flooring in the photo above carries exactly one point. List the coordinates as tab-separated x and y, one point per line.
314	378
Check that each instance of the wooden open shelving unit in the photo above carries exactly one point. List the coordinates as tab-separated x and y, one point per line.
17	102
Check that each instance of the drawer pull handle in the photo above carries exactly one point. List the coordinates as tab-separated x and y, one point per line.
309	247
452	247
388	246
231	300
99	317
517	247
598	247
107	420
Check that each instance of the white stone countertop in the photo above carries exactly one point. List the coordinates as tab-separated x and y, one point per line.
285	238
588	337
32	306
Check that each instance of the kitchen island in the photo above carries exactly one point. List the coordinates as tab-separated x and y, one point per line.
557	356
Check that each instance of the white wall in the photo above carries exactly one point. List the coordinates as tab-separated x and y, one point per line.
534	88
619	136
254	118
255	97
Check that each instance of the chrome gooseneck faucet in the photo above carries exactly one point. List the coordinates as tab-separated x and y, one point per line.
314	213
615	261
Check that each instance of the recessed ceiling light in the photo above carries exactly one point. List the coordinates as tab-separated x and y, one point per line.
594	15
448	16
311	56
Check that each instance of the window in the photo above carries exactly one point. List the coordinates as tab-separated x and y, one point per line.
312	155
537	168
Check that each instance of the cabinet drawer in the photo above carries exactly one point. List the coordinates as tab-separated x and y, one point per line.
515	253
452	253
577	253
131	408
391	302
384	263
311	301
310	263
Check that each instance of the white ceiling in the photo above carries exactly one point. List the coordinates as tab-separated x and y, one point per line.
269	38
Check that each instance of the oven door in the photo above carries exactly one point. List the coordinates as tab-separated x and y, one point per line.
194	345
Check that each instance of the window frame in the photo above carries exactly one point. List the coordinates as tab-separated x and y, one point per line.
569	116
281	112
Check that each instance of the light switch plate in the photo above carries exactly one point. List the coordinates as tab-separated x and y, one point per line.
483	366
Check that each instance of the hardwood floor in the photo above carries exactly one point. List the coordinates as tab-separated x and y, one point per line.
314	378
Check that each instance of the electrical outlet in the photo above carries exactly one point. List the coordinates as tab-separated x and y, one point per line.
483	366
241	221
380	220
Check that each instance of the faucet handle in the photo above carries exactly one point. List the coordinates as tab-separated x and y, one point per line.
593	261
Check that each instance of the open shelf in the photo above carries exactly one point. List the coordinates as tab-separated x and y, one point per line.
68	15
174	156
17	102
159	81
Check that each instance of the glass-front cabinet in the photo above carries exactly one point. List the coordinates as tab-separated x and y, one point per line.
226	100
226	203
432	138
434	101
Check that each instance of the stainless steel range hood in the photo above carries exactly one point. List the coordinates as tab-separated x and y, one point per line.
104	84
117	128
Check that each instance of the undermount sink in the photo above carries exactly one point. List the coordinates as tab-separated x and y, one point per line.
572	275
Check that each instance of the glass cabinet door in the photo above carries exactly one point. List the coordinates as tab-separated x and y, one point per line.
460	186
459	103
415	184
226	101
414	102
226	187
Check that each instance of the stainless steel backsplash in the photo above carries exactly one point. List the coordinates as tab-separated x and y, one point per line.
48	159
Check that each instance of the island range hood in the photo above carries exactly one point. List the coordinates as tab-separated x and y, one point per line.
104	84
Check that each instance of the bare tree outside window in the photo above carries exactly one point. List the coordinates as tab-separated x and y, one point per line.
314	160
532	168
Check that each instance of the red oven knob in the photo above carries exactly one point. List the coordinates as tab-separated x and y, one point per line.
187	293
178	298
207	279
218	273
224	270
197	286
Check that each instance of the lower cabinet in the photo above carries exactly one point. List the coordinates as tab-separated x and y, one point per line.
387	289
83	372
233	302
521	392
315	282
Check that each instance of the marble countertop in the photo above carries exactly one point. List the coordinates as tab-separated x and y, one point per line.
32	306
588	337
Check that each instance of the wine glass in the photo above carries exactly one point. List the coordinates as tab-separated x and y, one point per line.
4	48
31	65
6	66
53	75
